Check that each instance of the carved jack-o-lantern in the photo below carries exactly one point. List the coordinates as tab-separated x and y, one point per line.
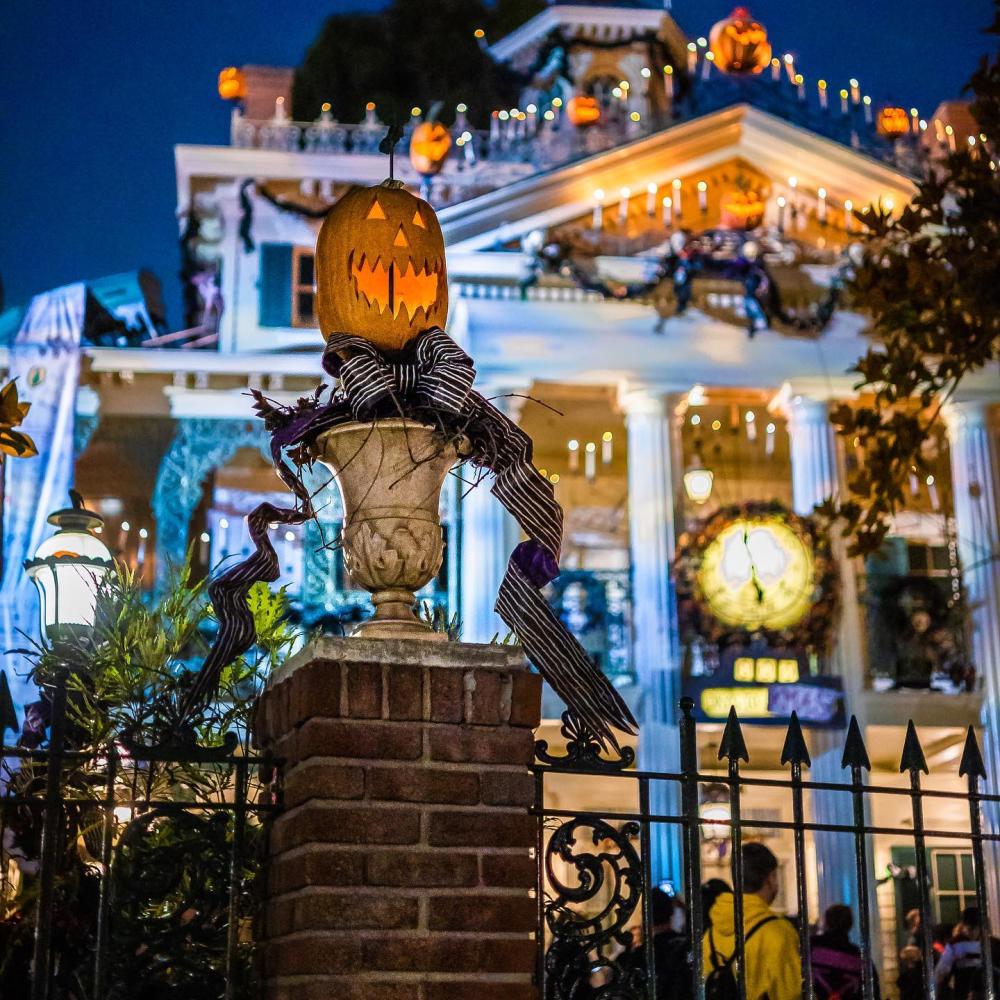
740	43
583	110
893	122
380	269
742	209
429	146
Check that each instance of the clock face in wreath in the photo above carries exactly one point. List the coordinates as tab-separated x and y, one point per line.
758	573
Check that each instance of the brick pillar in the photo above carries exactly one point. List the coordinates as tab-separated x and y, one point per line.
401	866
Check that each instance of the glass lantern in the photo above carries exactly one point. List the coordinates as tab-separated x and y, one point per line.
68	569
698	483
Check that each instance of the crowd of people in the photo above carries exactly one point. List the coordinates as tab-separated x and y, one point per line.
773	958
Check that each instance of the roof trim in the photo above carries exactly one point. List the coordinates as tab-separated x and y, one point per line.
576	16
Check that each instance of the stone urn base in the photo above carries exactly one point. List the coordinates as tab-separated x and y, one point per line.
390	473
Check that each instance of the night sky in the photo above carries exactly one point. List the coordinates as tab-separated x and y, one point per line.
93	98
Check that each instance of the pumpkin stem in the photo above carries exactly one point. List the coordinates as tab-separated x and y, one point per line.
388	144
433	111
393	183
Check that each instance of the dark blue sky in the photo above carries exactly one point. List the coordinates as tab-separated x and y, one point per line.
93	98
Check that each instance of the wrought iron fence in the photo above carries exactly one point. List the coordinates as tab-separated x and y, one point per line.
596	931
130	869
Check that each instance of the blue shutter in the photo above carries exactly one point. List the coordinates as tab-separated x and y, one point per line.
275	284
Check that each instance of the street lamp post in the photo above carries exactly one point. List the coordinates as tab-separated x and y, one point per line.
67	569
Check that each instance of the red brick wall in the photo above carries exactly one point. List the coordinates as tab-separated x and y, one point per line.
401	867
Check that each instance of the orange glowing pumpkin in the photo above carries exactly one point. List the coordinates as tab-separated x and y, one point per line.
742	209
583	110
232	84
429	146
893	122
739	43
380	267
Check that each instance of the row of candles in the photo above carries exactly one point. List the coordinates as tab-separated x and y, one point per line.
589	451
671	205
749	422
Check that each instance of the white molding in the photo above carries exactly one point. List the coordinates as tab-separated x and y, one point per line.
577	16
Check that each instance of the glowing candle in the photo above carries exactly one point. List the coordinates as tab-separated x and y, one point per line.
651	199
855	90
776	69
703	196
800	86
914	120
769	440
781	213
204	538
790	66
556	110
848	214
574	455
821	206
692	57
751	422
625	194
607	444
676	185
140	556
914	482
706	66
821	87
668	81
668	213
950	132
590	461
867	102
598	219
933	493
843	101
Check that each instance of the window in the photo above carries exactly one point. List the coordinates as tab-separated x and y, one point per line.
954	885
303	287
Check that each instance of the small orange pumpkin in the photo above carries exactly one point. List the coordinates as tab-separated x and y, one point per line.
583	110
742	209
429	146
739	43
380	267
893	122
232	84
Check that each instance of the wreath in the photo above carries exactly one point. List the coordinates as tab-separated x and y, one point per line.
813	633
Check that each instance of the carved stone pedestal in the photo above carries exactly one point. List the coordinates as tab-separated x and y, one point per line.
401	865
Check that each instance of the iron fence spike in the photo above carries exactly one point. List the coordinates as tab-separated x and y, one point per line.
733	746
972	764
855	752
913	758
795	750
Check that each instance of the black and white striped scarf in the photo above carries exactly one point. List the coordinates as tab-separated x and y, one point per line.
432	382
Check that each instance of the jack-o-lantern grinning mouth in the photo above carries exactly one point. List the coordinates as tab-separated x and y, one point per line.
389	287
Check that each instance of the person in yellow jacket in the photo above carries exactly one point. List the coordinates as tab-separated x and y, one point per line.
772	950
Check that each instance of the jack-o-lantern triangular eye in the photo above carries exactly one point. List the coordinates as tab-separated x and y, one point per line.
418	219
375	212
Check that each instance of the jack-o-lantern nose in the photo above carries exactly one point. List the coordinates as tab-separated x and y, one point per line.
400	240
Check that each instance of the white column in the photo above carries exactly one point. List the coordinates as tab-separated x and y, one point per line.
975	480
487	536
816	477
655	655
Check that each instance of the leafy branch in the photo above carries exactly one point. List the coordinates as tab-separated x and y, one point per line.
930	281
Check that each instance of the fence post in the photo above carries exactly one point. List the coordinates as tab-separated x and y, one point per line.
856	758
103	901
973	768
41	961
734	749
692	839
796	753
914	762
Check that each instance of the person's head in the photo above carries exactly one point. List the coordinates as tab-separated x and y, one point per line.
969	922
760	872
912	921
668	911
941	933
711	891
838	919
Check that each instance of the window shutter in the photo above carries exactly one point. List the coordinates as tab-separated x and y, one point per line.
275	284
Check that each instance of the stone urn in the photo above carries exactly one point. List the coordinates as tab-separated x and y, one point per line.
390	473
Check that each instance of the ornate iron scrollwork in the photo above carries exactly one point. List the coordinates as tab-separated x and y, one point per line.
587	918
583	749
